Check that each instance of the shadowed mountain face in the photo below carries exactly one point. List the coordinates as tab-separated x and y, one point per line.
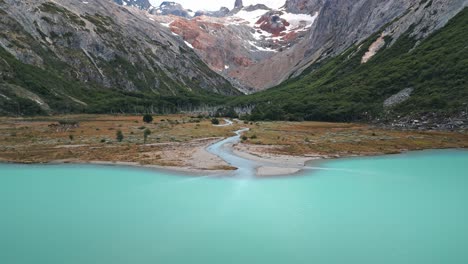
97	46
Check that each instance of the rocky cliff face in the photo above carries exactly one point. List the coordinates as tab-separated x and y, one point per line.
103	44
303	6
238	4
341	25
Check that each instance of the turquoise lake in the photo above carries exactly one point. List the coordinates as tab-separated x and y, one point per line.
409	208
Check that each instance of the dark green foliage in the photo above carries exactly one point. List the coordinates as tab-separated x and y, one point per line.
148	118
266	111
19	106
343	89
55	89
227	112
215	121
119	135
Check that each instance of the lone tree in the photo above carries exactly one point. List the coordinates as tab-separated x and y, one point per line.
215	121
146	133
119	135
147	118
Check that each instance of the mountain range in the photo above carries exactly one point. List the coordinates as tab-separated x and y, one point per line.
101	53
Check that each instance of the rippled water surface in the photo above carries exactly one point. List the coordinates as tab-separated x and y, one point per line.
410	208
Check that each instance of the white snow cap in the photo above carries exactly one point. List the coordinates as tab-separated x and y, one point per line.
213	5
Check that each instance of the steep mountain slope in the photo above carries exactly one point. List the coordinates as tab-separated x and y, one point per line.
408	78
341	25
64	55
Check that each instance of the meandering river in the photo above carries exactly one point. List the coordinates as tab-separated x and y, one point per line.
408	208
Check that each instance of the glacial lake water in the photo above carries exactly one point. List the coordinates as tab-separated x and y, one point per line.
409	208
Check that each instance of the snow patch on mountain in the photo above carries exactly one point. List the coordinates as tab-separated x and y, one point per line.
274	25
251	17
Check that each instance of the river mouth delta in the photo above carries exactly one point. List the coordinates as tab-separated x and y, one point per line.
183	142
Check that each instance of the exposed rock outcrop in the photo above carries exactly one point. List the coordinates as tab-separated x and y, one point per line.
171	8
141	4
398	98
222	12
238	4
303	6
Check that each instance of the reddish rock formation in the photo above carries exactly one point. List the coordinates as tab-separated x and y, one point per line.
242	61
273	23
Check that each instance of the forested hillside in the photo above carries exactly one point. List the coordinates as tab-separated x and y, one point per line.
345	89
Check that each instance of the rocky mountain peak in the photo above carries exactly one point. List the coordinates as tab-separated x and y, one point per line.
171	8
141	4
238	4
222	12
251	8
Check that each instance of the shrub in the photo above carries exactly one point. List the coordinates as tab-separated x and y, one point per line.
215	121
148	118
146	133
68	123
119	135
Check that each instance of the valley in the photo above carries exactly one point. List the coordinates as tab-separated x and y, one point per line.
233	131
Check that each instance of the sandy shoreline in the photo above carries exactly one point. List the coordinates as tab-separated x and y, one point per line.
198	161
195	146
204	163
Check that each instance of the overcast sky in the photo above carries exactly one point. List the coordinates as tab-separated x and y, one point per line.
216	4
